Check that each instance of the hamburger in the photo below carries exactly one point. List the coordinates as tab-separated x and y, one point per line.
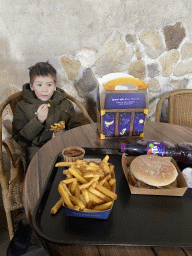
153	171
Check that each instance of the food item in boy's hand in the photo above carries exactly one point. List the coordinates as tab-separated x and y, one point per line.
48	105
71	154
57	126
87	185
152	171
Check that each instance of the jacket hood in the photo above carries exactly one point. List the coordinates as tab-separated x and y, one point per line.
30	96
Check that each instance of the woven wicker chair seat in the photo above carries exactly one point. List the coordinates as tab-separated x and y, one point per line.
12	197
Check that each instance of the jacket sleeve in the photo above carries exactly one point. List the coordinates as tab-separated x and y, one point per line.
24	130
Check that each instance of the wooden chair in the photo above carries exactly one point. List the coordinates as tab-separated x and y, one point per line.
12	186
179	107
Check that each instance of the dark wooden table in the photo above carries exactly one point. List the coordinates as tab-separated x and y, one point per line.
87	136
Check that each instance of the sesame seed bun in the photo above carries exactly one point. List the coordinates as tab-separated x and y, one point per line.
154	170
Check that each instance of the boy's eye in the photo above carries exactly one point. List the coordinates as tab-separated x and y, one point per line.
50	84
38	84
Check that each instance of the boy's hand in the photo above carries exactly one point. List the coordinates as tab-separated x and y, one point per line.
42	113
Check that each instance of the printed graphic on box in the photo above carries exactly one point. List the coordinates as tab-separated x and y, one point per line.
124	123
125	100
138	124
109	124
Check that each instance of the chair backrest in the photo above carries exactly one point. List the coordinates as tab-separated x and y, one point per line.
11	101
179	107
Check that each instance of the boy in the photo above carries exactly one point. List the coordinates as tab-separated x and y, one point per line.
43	104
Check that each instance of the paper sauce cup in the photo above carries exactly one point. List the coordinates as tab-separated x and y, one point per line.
74	149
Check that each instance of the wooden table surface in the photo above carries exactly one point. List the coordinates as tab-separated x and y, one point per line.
87	136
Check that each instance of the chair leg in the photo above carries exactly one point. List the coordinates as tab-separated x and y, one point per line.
10	224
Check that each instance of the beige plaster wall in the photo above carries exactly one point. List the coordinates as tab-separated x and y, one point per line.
41	30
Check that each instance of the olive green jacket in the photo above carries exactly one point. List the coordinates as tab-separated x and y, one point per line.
31	134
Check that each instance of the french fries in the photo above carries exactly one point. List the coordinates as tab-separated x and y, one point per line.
89	187
76	174
64	164
57	126
103	207
77	202
112	181
106	191
88	184
86	195
65	196
99	194
57	206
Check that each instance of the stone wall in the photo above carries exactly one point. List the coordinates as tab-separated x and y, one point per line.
161	57
87	39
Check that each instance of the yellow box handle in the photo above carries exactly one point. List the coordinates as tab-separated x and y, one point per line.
140	84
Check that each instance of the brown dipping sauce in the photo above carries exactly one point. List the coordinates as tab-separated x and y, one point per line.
73	153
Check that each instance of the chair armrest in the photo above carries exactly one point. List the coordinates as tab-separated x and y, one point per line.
6	147
158	111
159	105
3	178
16	170
80	105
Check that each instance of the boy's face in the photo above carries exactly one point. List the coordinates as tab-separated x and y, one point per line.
44	87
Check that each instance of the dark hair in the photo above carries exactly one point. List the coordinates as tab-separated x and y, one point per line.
42	69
